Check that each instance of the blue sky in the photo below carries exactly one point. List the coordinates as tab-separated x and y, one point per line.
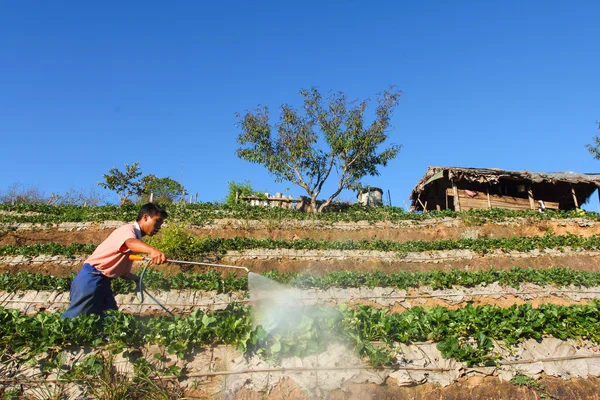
87	86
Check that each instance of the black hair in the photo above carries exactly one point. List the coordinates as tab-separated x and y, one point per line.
152	210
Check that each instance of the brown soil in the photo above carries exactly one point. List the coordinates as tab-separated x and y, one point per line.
503	302
404	234
133	308
479	300
578	262
475	388
21	238
401	234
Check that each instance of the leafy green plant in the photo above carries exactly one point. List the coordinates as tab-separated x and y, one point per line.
110	383
200	214
237	190
228	282
465	334
10	393
523	380
177	241
530	383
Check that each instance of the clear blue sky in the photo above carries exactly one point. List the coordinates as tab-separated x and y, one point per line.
87	86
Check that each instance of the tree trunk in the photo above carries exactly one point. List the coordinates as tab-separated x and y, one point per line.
324	206
313	205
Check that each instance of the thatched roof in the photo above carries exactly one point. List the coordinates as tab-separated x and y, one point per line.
493	175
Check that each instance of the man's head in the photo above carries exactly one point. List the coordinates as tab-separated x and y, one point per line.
150	218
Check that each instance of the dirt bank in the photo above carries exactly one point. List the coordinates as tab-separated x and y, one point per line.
89	232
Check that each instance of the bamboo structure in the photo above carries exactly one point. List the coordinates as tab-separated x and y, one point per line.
462	189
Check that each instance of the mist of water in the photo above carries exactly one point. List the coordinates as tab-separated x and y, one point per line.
280	309
275	306
292	313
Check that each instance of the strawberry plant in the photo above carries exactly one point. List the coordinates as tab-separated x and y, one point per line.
201	214
465	334
193	248
228	282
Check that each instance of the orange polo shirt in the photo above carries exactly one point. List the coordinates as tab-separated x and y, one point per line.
111	256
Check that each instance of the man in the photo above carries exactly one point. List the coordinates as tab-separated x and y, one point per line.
91	292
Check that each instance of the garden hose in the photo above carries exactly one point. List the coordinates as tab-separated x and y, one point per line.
140	290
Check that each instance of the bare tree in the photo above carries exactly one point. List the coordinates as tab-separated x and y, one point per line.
17	193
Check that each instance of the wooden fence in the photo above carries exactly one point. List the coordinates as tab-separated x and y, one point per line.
273	201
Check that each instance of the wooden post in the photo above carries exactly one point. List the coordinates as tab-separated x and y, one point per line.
446	197
436	187
456	200
421	203
530	195
487	191
574	197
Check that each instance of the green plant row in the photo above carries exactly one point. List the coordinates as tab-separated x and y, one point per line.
224	283
52	249
465	334
203	213
193	248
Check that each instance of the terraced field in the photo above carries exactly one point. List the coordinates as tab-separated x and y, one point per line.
373	304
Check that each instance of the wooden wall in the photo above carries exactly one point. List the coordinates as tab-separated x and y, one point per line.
482	200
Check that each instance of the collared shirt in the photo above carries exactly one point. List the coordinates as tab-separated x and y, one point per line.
138	230
111	257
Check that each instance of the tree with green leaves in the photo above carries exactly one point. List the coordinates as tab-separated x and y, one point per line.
330	134
126	184
595	148
164	190
237	190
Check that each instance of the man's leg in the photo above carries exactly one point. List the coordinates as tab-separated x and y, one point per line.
83	293
106	299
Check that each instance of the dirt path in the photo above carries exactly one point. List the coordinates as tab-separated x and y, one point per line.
395	300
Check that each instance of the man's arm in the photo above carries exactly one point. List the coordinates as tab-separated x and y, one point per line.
137	246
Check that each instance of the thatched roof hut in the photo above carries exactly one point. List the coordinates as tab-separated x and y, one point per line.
457	188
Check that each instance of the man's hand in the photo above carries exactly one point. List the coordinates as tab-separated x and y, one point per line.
157	256
137	246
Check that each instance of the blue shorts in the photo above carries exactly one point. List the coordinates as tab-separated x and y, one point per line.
91	293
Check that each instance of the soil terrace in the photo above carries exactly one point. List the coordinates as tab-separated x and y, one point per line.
471	387
428	230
